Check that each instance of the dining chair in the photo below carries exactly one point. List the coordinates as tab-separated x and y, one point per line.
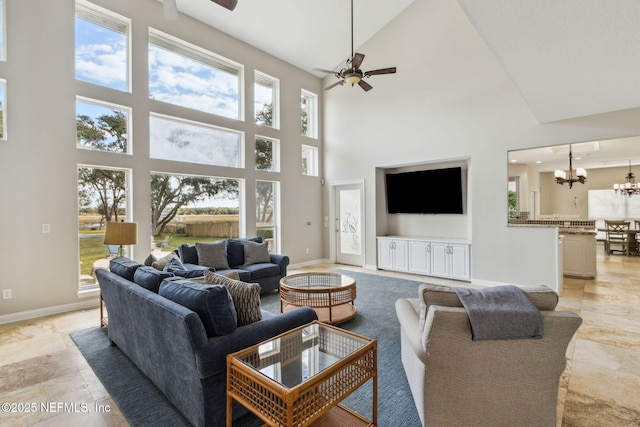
617	236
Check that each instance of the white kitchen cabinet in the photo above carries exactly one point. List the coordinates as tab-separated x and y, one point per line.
392	254
446	258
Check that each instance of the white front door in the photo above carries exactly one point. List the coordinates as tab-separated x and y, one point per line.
349	224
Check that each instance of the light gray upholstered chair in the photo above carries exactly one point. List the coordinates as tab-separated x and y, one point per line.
456	381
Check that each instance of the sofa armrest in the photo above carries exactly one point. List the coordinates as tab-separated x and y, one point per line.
282	261
211	358
407	310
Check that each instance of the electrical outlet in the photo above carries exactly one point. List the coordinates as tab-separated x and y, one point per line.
46	228
6	294
307	250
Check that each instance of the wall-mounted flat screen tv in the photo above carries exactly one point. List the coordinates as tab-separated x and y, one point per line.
433	191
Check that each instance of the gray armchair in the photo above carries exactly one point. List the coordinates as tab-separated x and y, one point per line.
456	381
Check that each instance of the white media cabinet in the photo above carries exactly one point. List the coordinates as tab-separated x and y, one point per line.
448	258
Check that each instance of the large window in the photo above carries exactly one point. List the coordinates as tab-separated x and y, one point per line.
267	208
266	106
102	127
267	154
189	209
183	141
186	75
102	197
309	114
102	47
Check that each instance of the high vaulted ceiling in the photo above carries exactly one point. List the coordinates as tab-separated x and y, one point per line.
568	58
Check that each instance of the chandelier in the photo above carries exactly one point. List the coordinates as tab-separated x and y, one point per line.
561	176
629	187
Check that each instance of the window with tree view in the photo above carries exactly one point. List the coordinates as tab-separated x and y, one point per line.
265	103
309	160
102	198
190	209
101	127
308	116
267	213
267	154
102	47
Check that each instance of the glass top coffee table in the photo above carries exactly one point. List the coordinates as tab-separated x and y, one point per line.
331	295
300	377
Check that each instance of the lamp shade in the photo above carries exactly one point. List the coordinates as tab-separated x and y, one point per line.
121	233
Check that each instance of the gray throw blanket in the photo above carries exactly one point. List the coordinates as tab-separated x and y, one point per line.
501	313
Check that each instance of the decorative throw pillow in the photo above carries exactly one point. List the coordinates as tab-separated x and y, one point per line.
246	297
150	260
188	253
256	253
213	255
235	250
150	278
212	303
159	264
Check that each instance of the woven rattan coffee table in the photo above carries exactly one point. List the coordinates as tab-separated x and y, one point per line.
300	377
331	295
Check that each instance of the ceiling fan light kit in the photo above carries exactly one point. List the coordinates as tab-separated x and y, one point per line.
352	74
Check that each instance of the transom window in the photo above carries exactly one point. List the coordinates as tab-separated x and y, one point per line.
101	126
186	141
102	47
184	74
266	106
267	154
309	160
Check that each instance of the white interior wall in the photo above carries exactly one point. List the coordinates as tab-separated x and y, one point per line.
450	99
38	161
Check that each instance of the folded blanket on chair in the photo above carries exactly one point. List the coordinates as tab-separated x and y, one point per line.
501	313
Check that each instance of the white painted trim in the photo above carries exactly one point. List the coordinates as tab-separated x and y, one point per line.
308	263
47	311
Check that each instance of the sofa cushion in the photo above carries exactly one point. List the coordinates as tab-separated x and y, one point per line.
542	297
150	278
159	264
213	255
212	303
246	297
124	267
235	249
188	253
259	271
256	253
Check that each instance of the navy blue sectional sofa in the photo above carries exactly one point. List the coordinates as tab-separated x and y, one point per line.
171	344
267	271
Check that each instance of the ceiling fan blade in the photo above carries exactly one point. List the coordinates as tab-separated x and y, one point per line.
339	82
389	70
364	85
228	4
325	71
357	60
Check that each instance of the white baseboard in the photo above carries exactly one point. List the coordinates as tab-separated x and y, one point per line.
308	263
47	311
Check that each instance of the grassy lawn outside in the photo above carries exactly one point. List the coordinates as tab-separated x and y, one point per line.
93	248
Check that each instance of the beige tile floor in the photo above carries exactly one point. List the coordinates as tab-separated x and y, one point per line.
600	387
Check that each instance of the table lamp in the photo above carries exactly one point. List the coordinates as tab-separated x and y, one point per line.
121	233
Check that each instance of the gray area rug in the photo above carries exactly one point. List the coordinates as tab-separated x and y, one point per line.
143	404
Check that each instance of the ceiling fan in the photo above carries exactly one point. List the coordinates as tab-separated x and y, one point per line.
170	8
351	74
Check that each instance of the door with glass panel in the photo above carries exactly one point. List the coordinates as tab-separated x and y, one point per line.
349	224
